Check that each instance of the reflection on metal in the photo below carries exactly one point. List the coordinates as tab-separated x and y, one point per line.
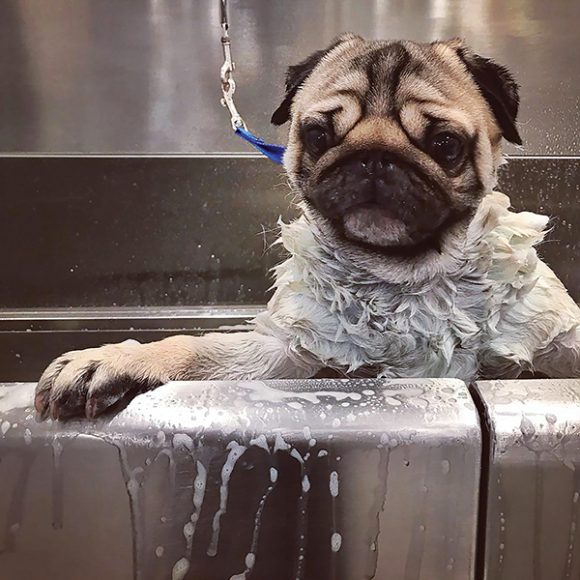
199	318
140	76
533	507
315	480
30	339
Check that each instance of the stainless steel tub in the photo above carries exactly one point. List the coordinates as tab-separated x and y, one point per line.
262	480
532	488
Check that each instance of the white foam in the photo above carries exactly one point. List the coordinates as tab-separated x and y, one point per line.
335	542
250	560
236	451
295	453
183	440
280	444
333	484
180	569
260	391
260	441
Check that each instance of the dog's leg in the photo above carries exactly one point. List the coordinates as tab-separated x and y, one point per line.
90	381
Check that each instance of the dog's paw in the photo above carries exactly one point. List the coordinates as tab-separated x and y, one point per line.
88	382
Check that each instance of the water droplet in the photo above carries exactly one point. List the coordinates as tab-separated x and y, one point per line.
334	484
180	569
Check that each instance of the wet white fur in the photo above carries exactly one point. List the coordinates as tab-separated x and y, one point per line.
488	307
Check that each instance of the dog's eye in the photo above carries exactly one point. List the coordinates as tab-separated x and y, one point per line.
446	148
316	139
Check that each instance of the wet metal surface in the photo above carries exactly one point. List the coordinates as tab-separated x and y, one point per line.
30	339
142	76
533	505
88	232
315	480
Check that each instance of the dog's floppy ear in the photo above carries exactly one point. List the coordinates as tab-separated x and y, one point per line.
498	87
297	74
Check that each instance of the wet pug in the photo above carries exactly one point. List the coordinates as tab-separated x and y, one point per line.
404	262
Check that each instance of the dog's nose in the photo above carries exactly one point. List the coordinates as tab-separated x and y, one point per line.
372	162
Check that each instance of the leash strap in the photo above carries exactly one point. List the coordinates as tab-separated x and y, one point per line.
273	152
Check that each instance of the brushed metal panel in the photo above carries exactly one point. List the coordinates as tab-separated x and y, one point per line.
533	490
30	339
314	480
142	75
183	231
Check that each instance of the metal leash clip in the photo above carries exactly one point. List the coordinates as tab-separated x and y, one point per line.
226	72
271	151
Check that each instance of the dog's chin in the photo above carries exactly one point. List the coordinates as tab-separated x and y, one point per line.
372	225
375	229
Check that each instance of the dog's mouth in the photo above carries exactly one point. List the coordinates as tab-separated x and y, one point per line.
375	225
374	200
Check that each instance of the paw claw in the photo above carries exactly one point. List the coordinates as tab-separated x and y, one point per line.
53	411
90	382
91	409
41	403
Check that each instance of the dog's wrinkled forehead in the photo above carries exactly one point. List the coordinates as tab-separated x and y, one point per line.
367	71
354	77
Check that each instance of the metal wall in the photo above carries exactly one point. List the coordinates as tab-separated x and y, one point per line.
141	75
190	231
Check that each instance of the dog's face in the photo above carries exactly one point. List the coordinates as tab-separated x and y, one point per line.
393	144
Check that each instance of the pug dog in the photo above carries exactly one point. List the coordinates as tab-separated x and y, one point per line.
404	261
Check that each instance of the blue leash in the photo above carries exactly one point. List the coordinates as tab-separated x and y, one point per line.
273	152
